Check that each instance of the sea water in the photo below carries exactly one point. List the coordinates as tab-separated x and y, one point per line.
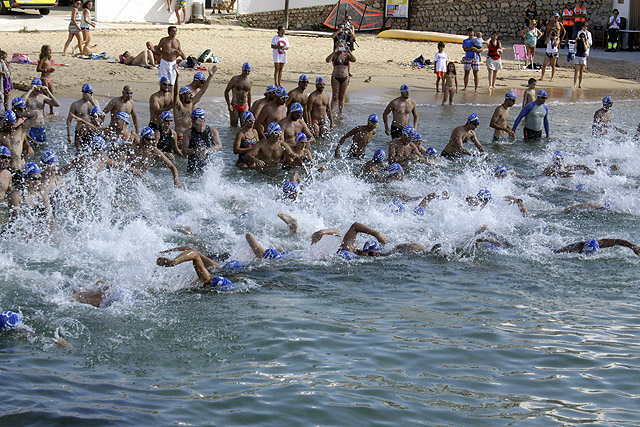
467	337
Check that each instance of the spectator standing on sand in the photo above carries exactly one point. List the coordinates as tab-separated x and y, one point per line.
613	30
280	46
87	23
494	63
471	59
567	21
531	14
530	36
441	60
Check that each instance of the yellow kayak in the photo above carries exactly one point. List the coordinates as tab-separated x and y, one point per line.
429	36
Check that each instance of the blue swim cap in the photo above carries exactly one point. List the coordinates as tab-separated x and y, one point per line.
281	92
95	112
346	255
244	215
607	101
147	132
319	80
164	79
557	155
397	207
542	93
300	137
491	246
246	67
289	188
222	283
125	117
270	89
49	157
379	155
303	78
18	102
473	118
9	117
166	116
371	245
581	187
246	116
484	195
233	265
86	88
405	88
36	82
417	137
184	90
273	128
98	143
30	168
198	113
408	131
272	254
418	210
9	320
4	151
198	77
296	107
510	95
432	151
373	119
590	247
500	170
395	168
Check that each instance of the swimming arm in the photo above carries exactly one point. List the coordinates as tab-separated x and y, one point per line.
546	121
349	238
318	235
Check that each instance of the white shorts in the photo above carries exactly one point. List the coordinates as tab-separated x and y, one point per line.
580	60
167	69
279	57
493	64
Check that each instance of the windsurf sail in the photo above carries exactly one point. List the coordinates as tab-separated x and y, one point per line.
364	18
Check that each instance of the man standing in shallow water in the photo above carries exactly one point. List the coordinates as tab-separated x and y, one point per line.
459	136
125	104
536	116
319	107
500	118
240	88
401	107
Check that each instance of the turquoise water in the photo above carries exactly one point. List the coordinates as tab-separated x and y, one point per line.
470	337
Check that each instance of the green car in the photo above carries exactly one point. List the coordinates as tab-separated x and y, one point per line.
43	6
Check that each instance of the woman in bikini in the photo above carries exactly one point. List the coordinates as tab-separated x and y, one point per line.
45	69
341	57
75	29
246	138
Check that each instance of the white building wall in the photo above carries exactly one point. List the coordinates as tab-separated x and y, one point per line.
138	11
251	6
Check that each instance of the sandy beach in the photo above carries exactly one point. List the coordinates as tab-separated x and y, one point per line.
380	59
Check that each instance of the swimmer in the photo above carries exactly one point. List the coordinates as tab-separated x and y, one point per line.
602	119
319	108
16	137
302	149
167	138
480	200
362	136
403	151
184	102
459	136
199	141
246	138
34	197
444	195
37	97
268	152
529	94
81	108
395	173
273	111
593	205
592	246
417	140
203	266
562	170
260	252
160	101
240	88
536	116
402	108
293	124
197	83
12	322
52	182
125	104
297	94
500	119
118	130
89	129
5	172
371	169
269	95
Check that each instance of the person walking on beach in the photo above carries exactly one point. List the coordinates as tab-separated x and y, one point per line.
280	46
536	115
551	55
86	24
402	108
240	88
75	28
500	118
170	50
580	60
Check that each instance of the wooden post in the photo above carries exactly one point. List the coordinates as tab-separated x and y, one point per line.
286	14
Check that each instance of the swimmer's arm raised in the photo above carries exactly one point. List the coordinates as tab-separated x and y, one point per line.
205	86
318	235
607	243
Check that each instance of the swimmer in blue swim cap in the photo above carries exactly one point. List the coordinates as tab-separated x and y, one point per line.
298	94
240	88
602	119
396	173
403	150
461	134
11	322
319	107
260	252
269	152
200	141
593	245
562	170
362	136
371	169
500	119
203	266
294	124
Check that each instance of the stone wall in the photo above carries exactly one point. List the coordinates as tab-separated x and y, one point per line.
447	16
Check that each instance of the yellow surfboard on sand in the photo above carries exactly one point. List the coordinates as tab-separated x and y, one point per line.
429	36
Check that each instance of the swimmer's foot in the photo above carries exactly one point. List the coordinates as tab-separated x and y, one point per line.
165	262
290	221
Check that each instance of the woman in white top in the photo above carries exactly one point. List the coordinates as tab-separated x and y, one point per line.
551	55
75	29
614	31
280	45
87	23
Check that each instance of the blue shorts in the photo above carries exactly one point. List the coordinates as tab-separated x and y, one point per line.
500	139
39	135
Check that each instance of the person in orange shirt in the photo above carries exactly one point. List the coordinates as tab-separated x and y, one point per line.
567	22
579	17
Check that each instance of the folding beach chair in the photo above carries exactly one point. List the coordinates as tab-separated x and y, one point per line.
520	53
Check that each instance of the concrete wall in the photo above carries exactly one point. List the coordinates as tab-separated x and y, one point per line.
253	6
137	11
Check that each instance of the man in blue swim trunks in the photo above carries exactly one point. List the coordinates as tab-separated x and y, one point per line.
536	116
500	119
36	98
471	59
